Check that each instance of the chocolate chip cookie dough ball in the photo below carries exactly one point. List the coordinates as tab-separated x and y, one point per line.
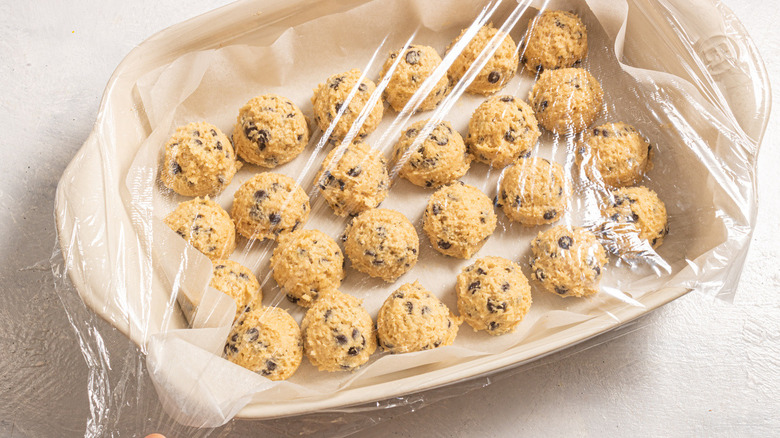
199	160
338	333
458	220
333	96
238	282
439	159
566	100
417	64
270	130
634	215
617	154
493	295
205	226
498	70
502	129
381	243
568	261
269	205
554	39
413	319
353	178
305	263
534	191
266	340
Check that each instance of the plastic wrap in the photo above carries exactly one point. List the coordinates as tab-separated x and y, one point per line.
686	78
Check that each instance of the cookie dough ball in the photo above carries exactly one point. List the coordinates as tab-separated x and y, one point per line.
617	154
338	333
502	129
199	160
205	226
331	97
634	215
566	100
417	63
568	261
413	319
305	263
534	191
458	220
498	70
269	205
266	340
270	130
554	39
239	283
381	243
353	178
493	295
439	159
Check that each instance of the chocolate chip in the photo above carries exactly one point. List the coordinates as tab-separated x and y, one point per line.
597	270
425	310
411	132
493	325
362	87
300	137
214	133
437	343
518	202
474	286
355	171
559	24
540	275
505	286
561	290
655	240
274	218
539	68
219	146
435	209
234	338
509	136
409	307
355	333
428	183
335	83
341	339
494	306
260	195
507	99
615	217
378	262
440	141
290	115
481	271
412	57
542	106
494	77
175	168
398	295
633	218
444	244
338	106
565	242
549	214
196	133
353	351
253	334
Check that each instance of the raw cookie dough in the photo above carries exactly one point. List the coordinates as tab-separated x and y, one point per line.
566	100
353	178
381	243
270	130
617	154
205	226
554	39
458	220
413	319
199	160
269	205
534	191
239	283
498	70
266	340
415	66
568	261
440	159
305	263
634	215
502	129
338	333
493	295
329	98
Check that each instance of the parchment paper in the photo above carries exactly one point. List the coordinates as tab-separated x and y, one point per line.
200	388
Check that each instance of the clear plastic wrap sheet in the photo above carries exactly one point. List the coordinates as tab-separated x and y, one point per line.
693	85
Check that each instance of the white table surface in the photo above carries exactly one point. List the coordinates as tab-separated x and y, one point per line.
696	367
